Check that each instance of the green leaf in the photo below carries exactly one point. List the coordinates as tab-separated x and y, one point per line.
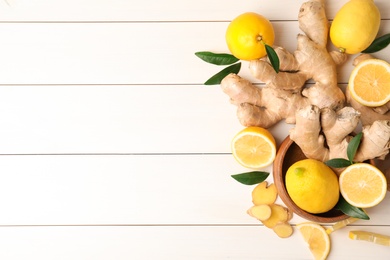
338	163
217	78
353	146
350	210
273	57
378	44
250	178
217	58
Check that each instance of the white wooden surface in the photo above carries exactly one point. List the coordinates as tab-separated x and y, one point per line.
111	147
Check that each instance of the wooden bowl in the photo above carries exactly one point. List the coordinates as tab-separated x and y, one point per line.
289	153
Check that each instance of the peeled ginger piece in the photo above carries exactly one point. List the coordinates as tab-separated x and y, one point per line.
264	194
370	237
283	229
261	212
278	214
340	224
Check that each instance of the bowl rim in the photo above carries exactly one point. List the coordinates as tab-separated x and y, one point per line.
282	191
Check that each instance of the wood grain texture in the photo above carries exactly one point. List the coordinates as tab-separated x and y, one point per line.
124	53
155	10
173	242
131	190
117	119
111	147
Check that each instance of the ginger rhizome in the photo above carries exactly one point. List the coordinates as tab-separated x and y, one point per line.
324	134
285	92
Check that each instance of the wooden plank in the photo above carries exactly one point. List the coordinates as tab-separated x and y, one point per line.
122	53
173	242
151	189
130	190
154	10
117	119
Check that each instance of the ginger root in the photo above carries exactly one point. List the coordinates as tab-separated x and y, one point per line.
261	106
324	134
284	93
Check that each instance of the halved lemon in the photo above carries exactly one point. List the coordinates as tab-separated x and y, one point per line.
254	147
369	82
316	238
363	185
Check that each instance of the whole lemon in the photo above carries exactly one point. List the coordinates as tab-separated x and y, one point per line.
247	35
355	26
312	185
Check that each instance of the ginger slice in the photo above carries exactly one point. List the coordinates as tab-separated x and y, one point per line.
264	194
283	229
260	212
278	214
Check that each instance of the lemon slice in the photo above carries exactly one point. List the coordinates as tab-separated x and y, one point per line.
363	185
254	147
369	82
370	237
317	239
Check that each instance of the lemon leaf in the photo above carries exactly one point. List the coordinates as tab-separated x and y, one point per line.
350	210
353	146
250	178
378	44
273	57
216	58
217	78
338	163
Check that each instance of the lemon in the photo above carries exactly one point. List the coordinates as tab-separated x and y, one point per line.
247	35
363	185
312	186
369	82
355	26
254	147
316	238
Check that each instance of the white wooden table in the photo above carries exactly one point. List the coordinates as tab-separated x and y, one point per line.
112	148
